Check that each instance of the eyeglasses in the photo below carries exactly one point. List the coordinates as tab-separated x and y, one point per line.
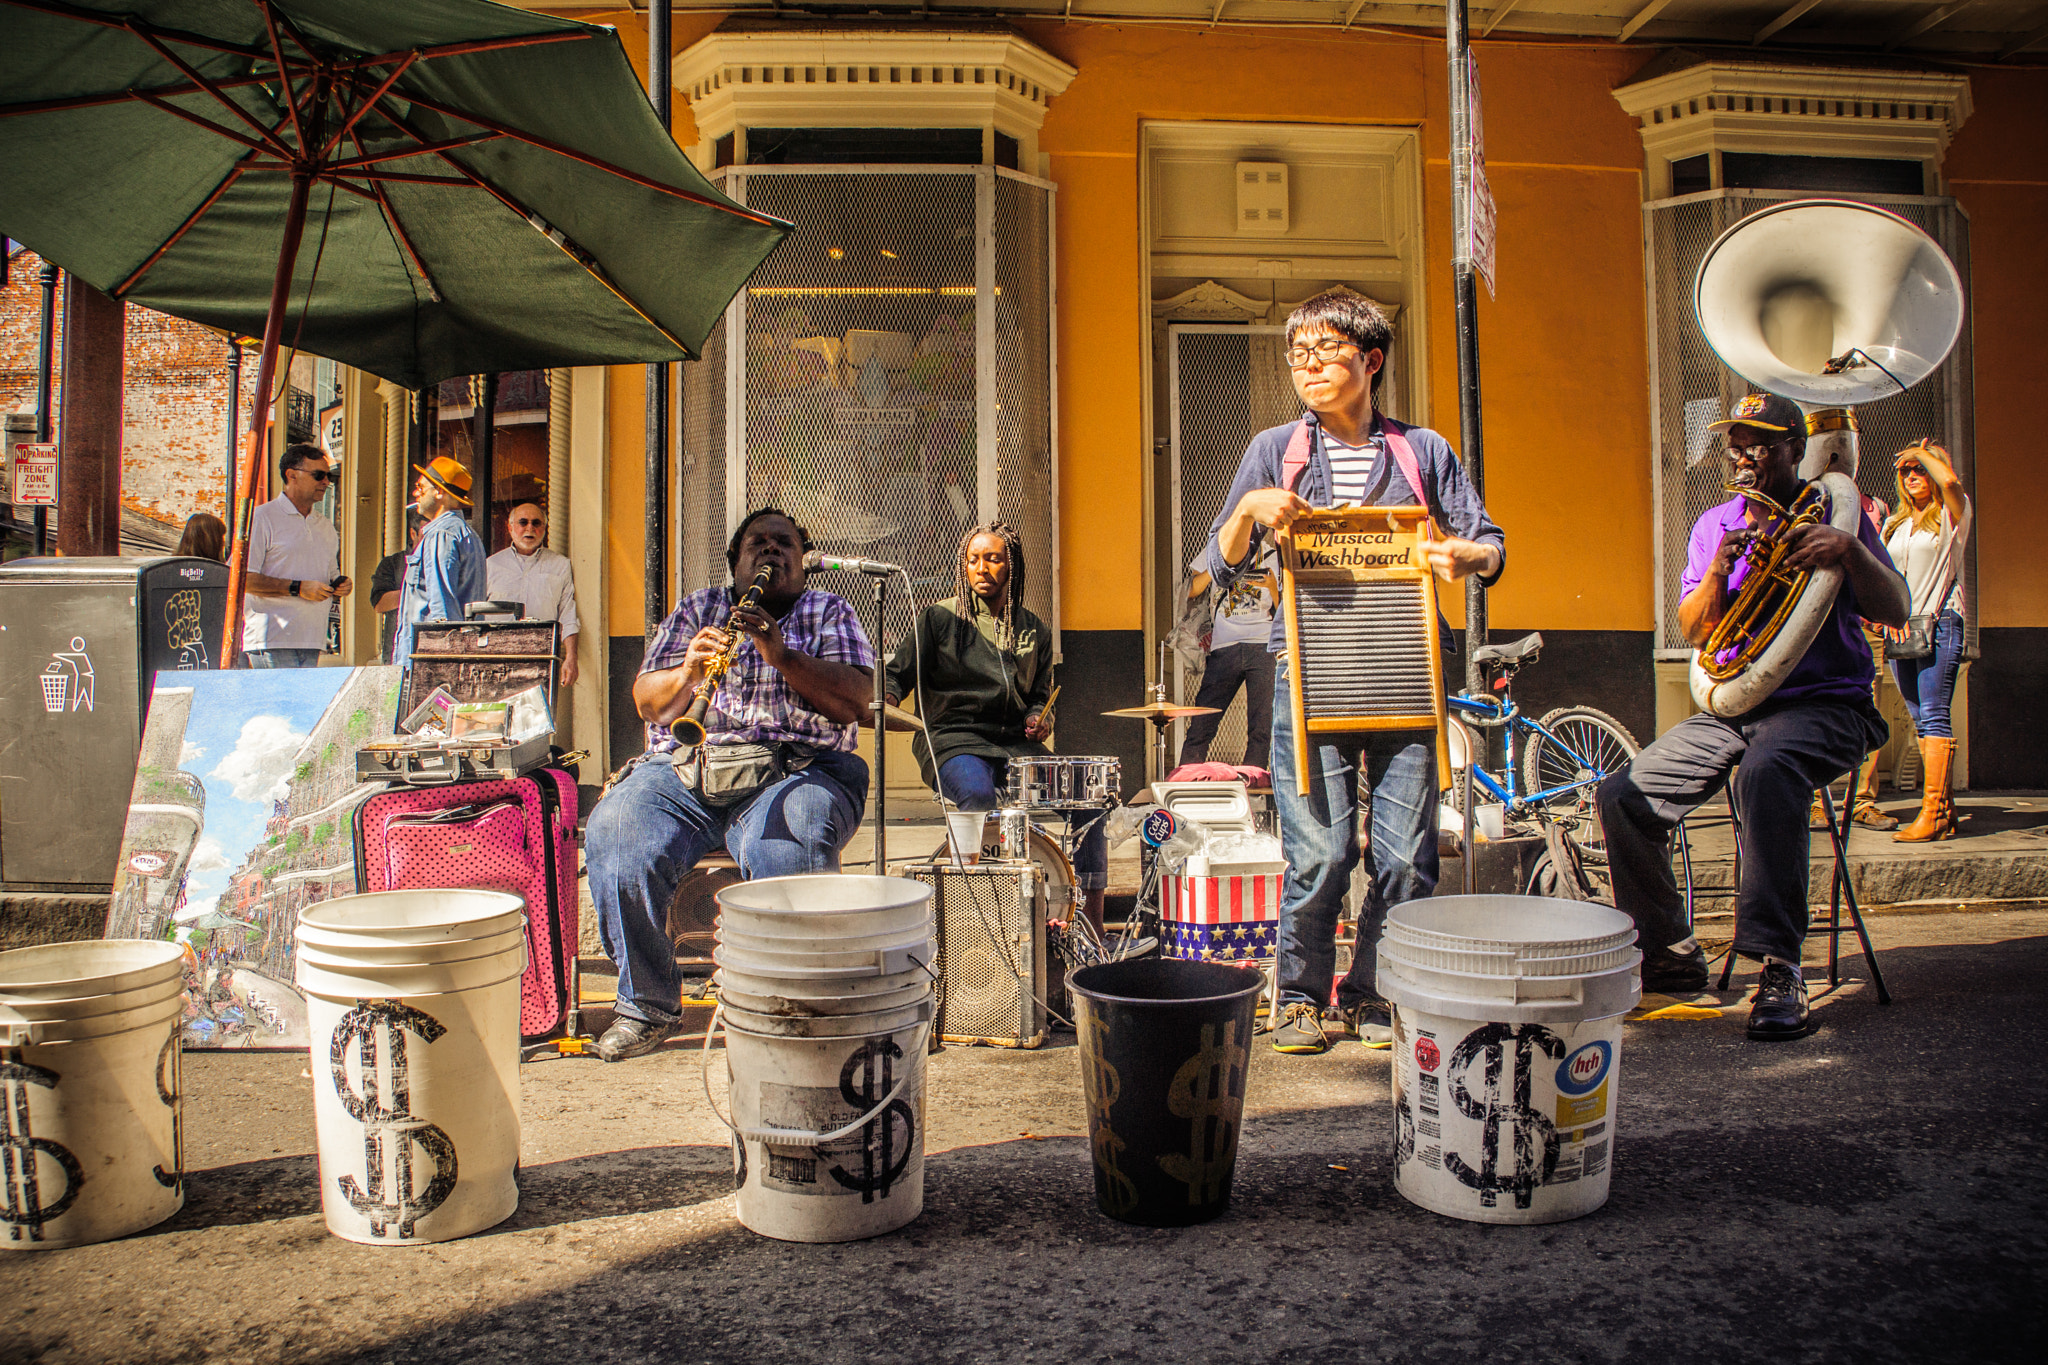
1322	353
322	475
529	521
1756	451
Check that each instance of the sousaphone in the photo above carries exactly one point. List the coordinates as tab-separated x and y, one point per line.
1829	303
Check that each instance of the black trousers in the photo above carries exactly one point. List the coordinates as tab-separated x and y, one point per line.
1778	757
1225	670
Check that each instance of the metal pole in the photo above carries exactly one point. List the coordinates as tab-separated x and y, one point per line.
89	462
655	565
483	439
234	421
881	867
46	359
1465	297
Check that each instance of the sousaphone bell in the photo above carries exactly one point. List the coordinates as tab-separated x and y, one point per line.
1829	303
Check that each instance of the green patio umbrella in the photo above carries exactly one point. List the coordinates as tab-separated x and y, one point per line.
418	188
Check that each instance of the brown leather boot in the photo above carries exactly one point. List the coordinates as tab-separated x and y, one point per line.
1865	798
1937	818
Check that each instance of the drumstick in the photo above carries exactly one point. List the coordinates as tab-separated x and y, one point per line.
1045	711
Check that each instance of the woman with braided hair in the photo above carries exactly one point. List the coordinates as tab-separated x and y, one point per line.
980	665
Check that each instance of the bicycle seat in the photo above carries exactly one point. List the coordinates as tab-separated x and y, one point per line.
1514	652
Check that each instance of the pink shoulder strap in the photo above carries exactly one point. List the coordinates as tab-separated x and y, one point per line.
1296	459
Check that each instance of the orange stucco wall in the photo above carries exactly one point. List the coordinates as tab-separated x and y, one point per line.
1562	344
1998	171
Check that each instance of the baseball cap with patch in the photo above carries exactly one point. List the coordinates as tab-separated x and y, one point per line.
1765	412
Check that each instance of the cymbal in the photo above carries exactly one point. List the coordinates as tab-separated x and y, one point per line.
1159	711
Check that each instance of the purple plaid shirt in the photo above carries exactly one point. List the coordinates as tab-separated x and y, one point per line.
755	704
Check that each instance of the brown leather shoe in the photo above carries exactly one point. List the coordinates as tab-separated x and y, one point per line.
1870	817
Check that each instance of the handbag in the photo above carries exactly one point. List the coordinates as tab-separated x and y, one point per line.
1916	643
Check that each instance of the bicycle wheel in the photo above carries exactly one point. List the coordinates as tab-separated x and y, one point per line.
1590	745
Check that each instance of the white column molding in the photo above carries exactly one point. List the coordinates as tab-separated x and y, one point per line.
587	490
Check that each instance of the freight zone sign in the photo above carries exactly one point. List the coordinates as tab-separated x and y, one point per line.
35	476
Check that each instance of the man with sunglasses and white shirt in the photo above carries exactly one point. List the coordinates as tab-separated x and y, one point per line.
529	573
294	566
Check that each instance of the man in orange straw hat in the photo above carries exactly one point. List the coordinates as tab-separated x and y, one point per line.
445	573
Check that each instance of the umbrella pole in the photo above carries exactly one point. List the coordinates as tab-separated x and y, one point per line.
259	420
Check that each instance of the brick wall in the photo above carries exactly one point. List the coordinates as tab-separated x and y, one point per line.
174	415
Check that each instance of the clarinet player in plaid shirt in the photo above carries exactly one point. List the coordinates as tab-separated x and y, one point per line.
775	779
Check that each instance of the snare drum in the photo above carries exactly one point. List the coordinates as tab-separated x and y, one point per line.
1060	782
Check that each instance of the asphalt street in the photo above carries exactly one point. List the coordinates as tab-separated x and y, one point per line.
1874	1192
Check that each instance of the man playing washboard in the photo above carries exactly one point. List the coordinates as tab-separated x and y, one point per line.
1336	347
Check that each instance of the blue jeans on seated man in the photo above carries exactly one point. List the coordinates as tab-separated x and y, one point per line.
650	830
1319	835
282	658
972	782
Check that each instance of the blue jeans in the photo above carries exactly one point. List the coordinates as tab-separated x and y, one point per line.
1319	834
647	834
972	782
1929	684
283	658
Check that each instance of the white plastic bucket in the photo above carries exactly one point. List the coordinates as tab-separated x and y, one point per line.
416	1103
380	955
856	992
825	964
70	971
375	946
776	1003
819	906
1507	1052
415	916
755	942
90	1090
806	1165
375	980
830	1025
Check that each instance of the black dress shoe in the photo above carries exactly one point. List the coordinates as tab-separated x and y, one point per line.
1668	973
1779	1011
633	1038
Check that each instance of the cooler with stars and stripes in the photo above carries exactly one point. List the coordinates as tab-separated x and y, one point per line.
1230	918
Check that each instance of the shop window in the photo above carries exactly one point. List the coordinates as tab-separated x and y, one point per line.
1814	174
1692	175
519	441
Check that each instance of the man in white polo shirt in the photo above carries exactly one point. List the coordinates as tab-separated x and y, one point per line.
294	566
529	573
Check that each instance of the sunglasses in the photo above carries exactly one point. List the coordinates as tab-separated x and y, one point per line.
529	521
322	475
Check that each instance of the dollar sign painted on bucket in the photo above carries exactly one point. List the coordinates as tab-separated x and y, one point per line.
1504	1055
377	1028
869	1074
169	1088
25	1213
1208	1091
1114	1191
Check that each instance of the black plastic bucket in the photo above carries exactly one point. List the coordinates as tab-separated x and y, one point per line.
1164	1050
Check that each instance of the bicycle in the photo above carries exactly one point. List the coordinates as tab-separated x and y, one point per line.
1563	758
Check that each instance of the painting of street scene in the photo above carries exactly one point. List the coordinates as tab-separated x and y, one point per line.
241	816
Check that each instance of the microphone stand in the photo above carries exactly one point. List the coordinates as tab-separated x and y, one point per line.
881	866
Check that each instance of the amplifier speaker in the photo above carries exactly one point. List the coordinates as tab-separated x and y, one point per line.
992	952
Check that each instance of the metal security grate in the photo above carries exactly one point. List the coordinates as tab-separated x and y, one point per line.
886	377
1690	388
1227	384
1365	649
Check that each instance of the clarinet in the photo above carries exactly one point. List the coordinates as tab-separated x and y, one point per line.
688	728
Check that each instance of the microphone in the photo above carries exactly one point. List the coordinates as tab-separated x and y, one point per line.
816	560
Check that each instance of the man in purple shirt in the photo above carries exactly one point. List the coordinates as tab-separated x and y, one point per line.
800	681
1816	726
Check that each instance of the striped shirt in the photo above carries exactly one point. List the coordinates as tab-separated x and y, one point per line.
1357	473
754	703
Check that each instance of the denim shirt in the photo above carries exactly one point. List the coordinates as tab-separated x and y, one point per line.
444	574
1453	501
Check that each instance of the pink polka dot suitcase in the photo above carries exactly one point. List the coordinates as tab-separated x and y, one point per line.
517	836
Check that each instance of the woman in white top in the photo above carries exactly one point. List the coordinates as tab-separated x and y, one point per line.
1925	539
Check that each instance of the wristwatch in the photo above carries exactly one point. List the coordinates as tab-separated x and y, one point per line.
295	586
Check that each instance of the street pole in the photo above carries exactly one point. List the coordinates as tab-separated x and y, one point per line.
234	421
483	440
1465	298
46	360
655	564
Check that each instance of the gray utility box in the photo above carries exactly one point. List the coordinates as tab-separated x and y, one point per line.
81	641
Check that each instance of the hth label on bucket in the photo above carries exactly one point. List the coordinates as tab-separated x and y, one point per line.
1503	1122
871	1162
